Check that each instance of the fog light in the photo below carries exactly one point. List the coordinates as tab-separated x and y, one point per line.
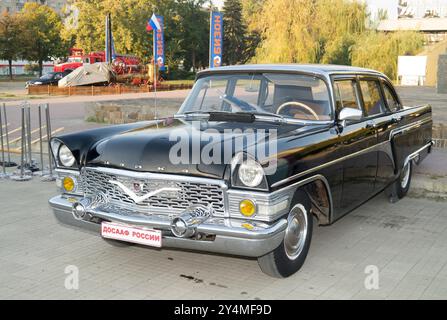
69	184
247	208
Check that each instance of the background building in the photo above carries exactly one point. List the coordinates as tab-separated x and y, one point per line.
13	6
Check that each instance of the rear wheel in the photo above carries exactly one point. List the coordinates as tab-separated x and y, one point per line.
400	187
290	255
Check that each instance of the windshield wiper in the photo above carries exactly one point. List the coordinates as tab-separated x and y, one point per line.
246	117
219	116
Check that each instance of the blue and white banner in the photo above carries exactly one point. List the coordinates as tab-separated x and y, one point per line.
216	39
159	44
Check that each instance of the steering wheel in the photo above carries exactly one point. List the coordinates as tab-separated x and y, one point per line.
297	104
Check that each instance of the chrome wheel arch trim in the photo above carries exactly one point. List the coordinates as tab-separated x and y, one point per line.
304	182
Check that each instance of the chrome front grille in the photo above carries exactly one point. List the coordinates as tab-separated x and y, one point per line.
171	202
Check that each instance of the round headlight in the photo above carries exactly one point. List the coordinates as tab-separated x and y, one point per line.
66	157
251	173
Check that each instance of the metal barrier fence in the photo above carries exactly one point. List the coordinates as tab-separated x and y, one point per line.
24	146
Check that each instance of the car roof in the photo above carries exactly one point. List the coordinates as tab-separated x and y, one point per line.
322	69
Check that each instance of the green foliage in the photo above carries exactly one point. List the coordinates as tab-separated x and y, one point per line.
41	37
379	51
31	68
186	28
190	29
235	33
10	38
327	31
308	31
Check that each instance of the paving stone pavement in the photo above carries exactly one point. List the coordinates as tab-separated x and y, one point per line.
406	241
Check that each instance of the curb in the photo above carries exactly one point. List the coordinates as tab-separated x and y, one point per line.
429	186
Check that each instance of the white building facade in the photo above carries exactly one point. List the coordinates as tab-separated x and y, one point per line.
13	6
18	67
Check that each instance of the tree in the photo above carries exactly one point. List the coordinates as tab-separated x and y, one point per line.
308	31
379	51
235	33
10	38
193	32
186	28
42	39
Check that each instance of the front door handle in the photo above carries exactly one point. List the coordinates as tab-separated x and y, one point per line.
370	124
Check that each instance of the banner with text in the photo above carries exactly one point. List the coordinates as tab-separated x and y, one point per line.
159	44
216	39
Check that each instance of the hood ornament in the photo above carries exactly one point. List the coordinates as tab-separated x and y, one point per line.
138	199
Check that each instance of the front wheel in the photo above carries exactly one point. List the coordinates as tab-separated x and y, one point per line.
289	257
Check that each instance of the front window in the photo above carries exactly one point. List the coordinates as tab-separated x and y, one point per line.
393	104
292	96
346	94
372	99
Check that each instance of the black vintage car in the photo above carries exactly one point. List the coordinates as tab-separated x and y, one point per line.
305	142
51	78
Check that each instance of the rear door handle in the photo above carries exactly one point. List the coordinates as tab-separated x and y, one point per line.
396	119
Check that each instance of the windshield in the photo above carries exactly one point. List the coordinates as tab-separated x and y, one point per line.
292	96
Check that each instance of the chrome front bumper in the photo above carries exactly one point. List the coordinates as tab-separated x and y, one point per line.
229	235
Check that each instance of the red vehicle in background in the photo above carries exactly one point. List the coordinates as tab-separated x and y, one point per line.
121	64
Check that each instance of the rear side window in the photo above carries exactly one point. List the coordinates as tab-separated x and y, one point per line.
372	98
391	100
346	94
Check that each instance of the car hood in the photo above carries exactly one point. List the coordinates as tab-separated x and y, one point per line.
156	146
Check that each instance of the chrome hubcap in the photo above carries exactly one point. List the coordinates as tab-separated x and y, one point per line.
296	232
405	176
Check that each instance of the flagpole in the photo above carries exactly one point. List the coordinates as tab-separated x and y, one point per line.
155	78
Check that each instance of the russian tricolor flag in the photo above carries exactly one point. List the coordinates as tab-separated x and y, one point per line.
153	23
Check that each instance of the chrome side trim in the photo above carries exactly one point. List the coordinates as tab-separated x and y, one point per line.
68	172
160	176
408	127
327	164
380	145
416	153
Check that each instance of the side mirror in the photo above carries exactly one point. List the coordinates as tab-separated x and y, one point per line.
350	114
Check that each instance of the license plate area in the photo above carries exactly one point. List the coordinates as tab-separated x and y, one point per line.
139	235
